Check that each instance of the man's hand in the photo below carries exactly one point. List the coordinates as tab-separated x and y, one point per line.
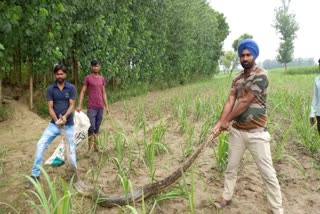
78	109
64	119
221	125
61	121
224	125
216	129
107	109
312	121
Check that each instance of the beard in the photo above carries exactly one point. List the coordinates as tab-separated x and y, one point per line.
247	65
95	71
60	80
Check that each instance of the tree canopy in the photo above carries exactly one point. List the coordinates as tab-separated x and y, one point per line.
286	25
139	42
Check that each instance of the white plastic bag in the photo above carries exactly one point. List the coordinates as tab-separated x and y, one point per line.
81	126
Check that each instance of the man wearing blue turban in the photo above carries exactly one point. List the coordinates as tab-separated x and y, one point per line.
250	45
244	115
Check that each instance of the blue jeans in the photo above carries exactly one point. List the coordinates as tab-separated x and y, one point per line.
51	132
95	117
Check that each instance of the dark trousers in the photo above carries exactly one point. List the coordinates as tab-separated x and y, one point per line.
318	123
95	117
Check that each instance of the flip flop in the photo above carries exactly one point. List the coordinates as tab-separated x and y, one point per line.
220	205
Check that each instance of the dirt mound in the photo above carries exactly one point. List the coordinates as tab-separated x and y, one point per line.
17	136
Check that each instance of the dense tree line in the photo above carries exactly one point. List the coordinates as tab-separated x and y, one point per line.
139	42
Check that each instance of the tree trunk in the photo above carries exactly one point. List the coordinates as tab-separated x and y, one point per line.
75	68
285	67
0	92
19	62
49	76
14	69
44	79
31	84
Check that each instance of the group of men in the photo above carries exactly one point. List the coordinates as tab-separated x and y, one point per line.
61	99
244	115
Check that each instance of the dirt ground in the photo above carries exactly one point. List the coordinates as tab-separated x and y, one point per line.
19	135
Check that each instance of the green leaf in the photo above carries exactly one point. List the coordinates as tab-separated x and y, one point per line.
43	12
60	8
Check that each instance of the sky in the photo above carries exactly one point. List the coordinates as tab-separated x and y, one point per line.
256	17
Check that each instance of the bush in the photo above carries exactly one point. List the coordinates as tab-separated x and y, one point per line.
41	106
4	114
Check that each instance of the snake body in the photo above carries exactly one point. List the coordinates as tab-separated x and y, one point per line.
145	191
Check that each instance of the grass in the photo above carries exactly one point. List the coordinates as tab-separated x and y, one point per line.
103	140
182	111
206	127
173	194
120	141
3	156
188	139
190	112
140	118
149	154
4	113
189	191
155	147
127	186
221	152
56	201
198	114
7	208
301	70
157	135
280	143
121	171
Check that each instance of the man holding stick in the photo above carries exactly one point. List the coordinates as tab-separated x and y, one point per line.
246	109
61	96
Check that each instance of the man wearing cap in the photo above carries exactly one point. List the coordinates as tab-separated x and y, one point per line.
97	102
244	115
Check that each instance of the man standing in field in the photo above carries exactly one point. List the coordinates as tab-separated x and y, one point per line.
97	101
315	105
61	97
246	109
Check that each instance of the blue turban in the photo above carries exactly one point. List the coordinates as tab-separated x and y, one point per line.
250	45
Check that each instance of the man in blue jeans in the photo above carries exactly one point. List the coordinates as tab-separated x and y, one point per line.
61	96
